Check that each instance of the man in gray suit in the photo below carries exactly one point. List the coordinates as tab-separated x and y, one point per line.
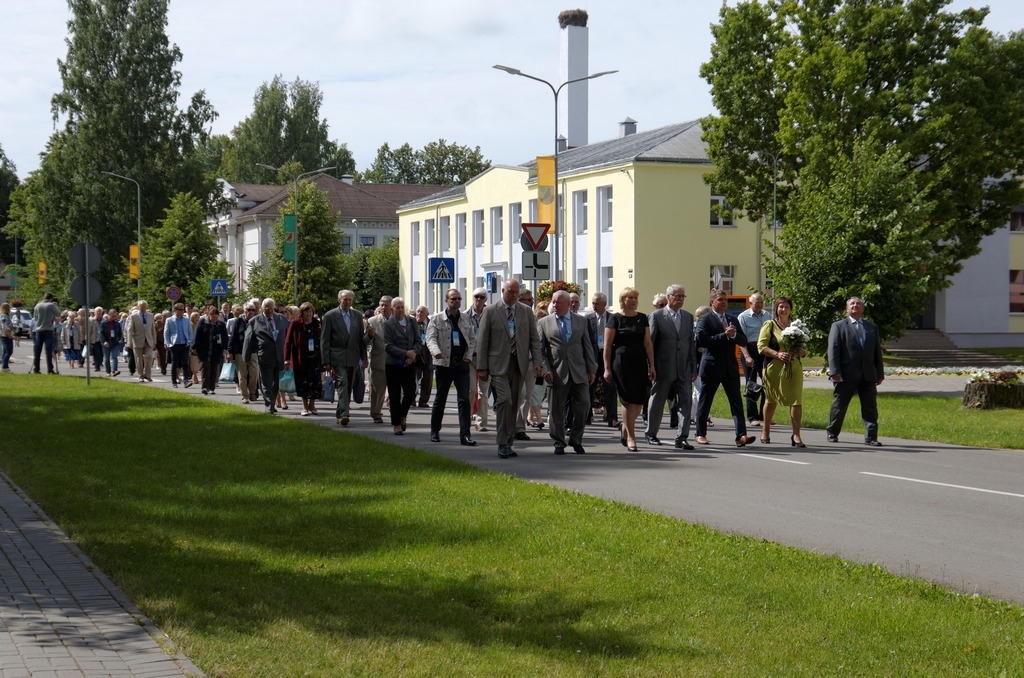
378	359
342	345
854	366
570	368
675	362
264	338
507	345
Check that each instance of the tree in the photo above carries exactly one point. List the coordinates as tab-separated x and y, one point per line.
180	249
822	87
372	272
119	109
320	254
285	126
436	163
8	182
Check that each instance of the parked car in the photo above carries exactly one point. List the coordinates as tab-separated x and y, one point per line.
22	320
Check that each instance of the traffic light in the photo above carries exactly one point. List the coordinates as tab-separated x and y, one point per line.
133	262
42	272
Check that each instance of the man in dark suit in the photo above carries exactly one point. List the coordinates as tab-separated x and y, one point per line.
854	366
675	362
507	346
602	392
343	342
264	338
719	335
570	368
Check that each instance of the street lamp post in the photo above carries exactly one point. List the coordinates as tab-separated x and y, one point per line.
555	91
138	219
295	194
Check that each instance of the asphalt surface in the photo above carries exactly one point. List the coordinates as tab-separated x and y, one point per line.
949	514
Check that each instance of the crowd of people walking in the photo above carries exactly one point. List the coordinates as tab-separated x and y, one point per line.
504	358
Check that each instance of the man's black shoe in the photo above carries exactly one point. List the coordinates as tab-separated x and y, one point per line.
511	452
559	449
683	445
503	451
466	440
578	449
873	443
652	440
833	439
435	437
521	435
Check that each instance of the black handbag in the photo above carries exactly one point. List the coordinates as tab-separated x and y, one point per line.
754	390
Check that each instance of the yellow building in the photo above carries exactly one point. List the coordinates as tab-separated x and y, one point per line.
635	212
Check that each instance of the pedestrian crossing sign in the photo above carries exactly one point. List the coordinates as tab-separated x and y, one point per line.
218	287
442	269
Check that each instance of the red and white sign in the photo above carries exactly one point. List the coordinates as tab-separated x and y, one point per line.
535	234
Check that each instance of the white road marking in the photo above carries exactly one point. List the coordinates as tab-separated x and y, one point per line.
787	461
931	482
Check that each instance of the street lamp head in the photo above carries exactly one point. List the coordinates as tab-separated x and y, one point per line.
266	166
598	75
507	69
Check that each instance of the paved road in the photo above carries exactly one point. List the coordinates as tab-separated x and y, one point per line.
949	514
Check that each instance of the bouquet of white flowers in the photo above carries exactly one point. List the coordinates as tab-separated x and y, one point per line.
794	338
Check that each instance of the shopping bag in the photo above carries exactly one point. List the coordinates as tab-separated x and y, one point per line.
328	387
227	373
287	382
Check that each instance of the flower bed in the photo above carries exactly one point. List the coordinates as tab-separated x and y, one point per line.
989	390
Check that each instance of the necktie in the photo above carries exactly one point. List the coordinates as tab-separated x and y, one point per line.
348	321
860	331
675	318
511	315
564	322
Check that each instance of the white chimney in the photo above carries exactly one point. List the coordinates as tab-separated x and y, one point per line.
573	121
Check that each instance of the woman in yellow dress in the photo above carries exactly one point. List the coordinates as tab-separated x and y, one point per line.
781	387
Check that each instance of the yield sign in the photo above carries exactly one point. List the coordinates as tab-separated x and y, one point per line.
535	234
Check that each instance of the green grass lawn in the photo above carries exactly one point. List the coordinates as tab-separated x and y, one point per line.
267	547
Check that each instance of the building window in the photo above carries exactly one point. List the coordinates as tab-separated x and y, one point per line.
721	213
346	244
461	286
460	231
581	279
497	234
368	241
607	286
604	208
1017	290
579	211
415	238
1017	222
532	209
478	228
515	219
722	278
446	234
428	227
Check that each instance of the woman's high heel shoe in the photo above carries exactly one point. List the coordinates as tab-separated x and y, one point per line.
793	441
622	439
766	440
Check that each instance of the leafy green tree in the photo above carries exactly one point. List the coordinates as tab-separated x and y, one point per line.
436	163
119	109
321	261
372	272
860	234
449	164
199	289
820	87
179	249
285	126
8	182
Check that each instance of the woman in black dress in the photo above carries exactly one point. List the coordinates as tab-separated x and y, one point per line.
630	354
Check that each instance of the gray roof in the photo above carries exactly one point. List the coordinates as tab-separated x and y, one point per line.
679	143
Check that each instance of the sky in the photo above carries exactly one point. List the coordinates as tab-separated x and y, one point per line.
397	71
